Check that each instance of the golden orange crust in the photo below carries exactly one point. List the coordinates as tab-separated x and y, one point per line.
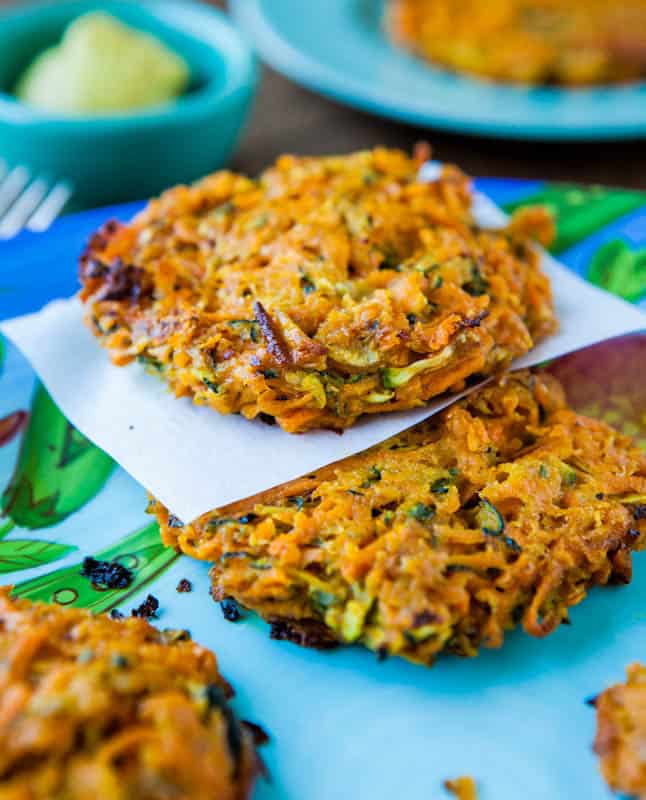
620	742
462	788
92	707
327	289
502	509
571	42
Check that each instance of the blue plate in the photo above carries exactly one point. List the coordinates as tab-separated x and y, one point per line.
342	725
338	47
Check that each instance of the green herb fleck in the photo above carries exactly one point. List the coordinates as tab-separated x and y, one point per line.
441	485
512	544
569	478
150	362
307	284
477	285
216	522
390	261
212	385
490	519
322	599
421	512
246	328
223	209
235	554
259	221
374	475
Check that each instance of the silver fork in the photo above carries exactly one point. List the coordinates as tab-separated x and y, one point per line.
29	201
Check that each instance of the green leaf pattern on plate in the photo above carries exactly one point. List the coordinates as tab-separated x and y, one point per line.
581	211
620	270
58	469
142	552
17	554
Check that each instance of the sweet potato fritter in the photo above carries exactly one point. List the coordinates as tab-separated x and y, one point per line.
96	709
504	508
326	289
571	42
621	734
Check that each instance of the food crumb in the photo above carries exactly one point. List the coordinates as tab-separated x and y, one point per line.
106	574
147	609
230	610
463	788
184	586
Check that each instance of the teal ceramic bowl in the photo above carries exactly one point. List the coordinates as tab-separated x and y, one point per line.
134	155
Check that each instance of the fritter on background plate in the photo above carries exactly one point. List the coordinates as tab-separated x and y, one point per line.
98	709
503	509
570	42
326	289
621	734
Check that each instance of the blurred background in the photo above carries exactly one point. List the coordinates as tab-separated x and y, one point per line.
289	118
546	90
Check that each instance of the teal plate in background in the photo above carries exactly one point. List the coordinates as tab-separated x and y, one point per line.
342	725
338	47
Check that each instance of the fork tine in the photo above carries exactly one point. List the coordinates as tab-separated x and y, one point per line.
23	209
50	208
11	186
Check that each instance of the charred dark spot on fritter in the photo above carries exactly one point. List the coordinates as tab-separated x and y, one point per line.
272	335
267	419
230	610
116	614
639	512
125	282
303	632
424	618
473	322
184	586
258	734
148	609
89	265
91	268
106	574
174	522
622	566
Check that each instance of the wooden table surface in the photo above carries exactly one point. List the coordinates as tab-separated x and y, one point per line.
288	118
